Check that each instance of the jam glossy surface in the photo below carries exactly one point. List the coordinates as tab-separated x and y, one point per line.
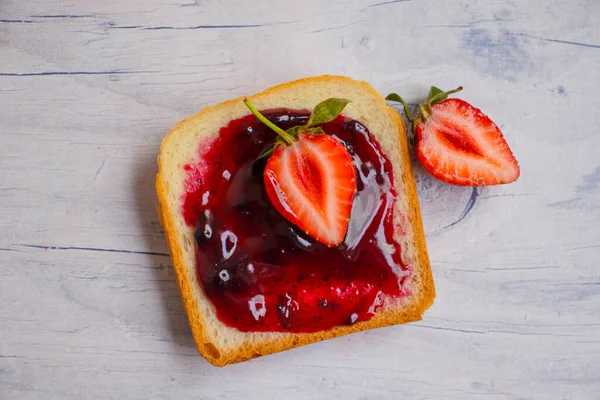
260	271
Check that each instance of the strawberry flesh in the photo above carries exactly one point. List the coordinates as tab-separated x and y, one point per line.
458	144
312	184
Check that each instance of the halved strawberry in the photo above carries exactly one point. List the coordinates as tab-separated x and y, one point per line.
310	177
458	144
312	184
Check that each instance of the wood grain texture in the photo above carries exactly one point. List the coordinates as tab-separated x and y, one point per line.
89	307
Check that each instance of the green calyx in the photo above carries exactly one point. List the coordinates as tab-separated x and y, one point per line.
323	112
435	96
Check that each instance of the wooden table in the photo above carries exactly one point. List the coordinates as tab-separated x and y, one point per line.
88	303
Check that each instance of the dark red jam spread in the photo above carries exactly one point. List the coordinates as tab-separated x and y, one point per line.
260	271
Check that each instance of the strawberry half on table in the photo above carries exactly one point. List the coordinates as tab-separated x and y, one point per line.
459	144
310	177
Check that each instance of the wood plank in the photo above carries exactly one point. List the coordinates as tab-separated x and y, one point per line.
89	307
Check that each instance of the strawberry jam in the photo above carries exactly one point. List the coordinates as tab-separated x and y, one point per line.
260	271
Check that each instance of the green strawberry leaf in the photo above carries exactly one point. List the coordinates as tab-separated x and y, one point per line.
293	131
326	111
280	141
315	131
434	91
396	97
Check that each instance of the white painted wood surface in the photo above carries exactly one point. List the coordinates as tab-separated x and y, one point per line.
88	303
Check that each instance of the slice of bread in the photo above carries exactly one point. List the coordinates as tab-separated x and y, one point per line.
221	344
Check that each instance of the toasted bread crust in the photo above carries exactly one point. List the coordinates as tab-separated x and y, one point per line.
258	345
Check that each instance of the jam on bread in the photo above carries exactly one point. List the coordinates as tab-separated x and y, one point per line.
261	271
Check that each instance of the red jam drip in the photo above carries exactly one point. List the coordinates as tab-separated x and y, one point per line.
260	271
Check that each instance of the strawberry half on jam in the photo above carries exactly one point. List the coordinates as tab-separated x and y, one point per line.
310	176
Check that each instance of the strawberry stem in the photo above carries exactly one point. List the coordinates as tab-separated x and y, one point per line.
287	138
442	96
425	109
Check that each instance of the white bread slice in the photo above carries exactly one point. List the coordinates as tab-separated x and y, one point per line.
221	344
